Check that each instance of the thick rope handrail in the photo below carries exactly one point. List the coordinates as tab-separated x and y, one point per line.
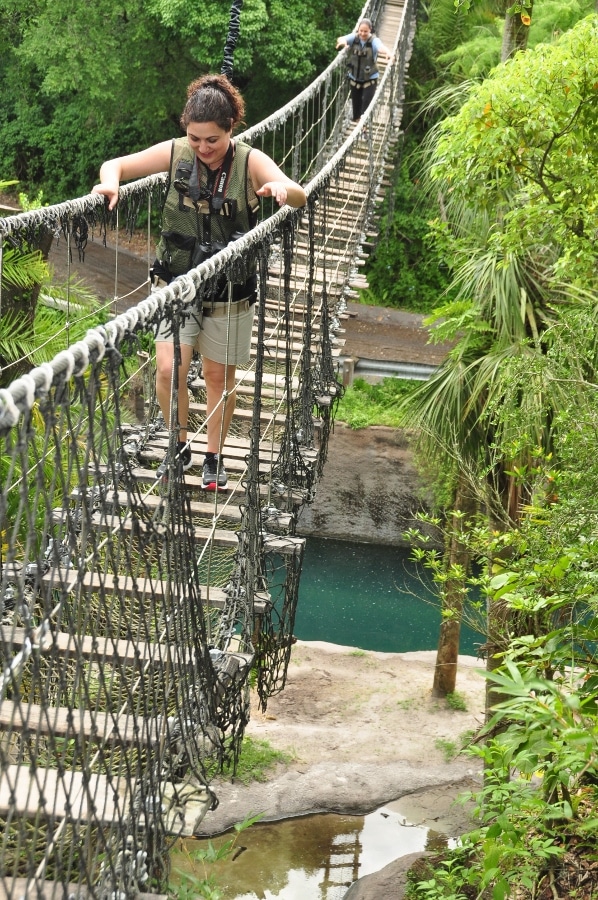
49	215
54	214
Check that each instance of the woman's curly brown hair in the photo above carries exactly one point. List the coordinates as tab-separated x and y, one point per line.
212	98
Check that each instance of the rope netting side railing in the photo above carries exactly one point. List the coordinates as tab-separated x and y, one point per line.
136	615
106	679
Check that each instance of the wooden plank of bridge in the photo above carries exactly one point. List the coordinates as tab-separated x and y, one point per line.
237	446
296	349
130	585
235	457
334	254
235	465
245	390
283	544
64	722
278	381
192	483
321	276
229	511
76	796
193	480
276	310
235	452
127	652
245	415
217	537
280	342
295	325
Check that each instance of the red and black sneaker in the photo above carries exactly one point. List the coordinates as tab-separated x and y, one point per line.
214	474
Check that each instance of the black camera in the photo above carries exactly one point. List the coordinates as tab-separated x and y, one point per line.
182	176
201	252
182	182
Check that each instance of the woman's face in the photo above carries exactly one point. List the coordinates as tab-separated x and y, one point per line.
364	31
209	142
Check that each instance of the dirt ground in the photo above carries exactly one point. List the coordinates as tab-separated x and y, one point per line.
361	730
341	705
391	335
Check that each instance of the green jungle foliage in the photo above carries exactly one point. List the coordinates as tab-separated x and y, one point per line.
523	151
82	82
452	46
536	829
411	267
407	270
513	413
366	404
518	202
449	46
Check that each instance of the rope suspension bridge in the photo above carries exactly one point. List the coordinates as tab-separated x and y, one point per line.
135	615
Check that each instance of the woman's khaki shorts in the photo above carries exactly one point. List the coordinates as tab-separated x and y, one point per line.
216	335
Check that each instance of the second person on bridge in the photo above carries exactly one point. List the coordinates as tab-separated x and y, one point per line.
362	71
213	196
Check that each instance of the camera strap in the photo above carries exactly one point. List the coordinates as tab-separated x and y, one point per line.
220	183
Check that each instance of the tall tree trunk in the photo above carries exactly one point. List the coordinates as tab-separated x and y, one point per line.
515	33
458	559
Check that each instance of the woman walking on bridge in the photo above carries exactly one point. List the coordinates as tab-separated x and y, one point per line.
362	72
213	196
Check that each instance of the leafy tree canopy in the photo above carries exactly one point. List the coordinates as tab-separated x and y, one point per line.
525	146
477	54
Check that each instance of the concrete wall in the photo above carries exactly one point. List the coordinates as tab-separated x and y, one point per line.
370	489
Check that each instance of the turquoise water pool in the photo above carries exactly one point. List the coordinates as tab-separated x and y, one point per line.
369	596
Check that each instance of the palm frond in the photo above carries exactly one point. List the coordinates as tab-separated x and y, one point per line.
16	338
23	270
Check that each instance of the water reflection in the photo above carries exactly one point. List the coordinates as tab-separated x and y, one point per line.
312	857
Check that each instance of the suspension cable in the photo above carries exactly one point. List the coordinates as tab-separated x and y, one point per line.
231	39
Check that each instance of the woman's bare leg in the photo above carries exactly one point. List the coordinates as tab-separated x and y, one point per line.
214	374
164	378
